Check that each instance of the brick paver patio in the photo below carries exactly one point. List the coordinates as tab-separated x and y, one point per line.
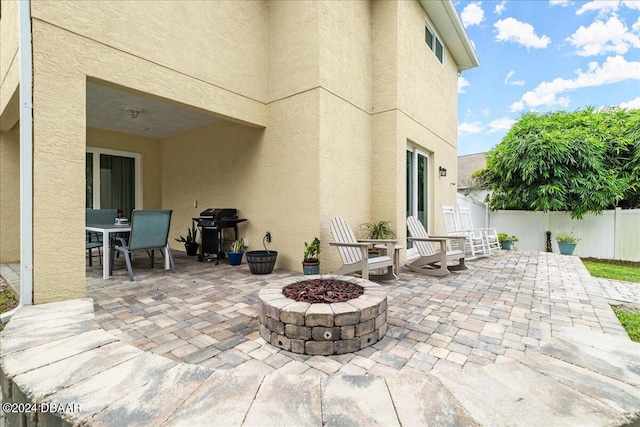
500	309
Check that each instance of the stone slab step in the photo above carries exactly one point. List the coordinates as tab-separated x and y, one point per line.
103	389
156	401
357	400
222	399
286	400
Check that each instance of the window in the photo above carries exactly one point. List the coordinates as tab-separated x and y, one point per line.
113	180
434	43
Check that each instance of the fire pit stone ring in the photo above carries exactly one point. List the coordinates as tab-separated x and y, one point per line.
323	328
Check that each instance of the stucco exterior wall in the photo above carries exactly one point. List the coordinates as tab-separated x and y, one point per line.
10	196
9	69
270	176
345	50
150	151
219	42
293	61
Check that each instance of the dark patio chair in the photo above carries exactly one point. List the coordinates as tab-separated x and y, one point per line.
149	231
93	239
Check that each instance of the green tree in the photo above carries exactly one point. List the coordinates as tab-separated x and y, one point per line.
583	161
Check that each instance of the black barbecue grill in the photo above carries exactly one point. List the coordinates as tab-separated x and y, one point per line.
211	223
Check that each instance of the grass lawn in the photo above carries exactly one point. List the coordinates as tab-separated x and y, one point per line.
617	271
629	316
7	300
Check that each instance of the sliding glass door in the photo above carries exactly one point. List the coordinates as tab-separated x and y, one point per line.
113	180
418	185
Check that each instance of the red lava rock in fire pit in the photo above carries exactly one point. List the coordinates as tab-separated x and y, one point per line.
322	291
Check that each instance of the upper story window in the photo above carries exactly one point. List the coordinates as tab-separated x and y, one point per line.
433	41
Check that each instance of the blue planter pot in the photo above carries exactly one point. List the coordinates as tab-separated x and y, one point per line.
567	248
310	268
506	245
235	258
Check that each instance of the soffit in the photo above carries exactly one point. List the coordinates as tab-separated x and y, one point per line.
447	22
159	119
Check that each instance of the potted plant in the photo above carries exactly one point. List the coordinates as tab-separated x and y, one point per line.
377	230
506	241
311	263
235	252
190	244
567	242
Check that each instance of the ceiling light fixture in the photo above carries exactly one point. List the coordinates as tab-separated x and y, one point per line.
133	112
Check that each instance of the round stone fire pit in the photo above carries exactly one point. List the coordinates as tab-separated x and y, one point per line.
357	321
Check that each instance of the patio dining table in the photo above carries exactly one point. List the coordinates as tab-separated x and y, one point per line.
106	230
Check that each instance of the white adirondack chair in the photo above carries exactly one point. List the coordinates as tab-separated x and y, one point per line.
355	257
489	234
430	261
475	246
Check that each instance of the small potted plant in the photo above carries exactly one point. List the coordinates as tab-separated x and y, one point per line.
377	230
567	242
235	252
311	263
506	241
190	244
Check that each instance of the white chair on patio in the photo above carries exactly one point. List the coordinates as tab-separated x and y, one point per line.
355	257
489	234
474	246
428	260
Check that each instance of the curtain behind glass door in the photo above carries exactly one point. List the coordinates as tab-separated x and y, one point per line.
89	177
117	183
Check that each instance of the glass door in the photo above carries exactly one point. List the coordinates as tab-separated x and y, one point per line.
418	186
113	180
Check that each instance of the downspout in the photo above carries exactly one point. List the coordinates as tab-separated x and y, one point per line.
26	160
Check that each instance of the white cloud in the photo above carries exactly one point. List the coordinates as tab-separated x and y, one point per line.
636	25
601	6
601	38
512	30
615	69
500	7
515	82
516	106
486	111
563	3
472	14
473	127
462	83
498	125
631	4
631	105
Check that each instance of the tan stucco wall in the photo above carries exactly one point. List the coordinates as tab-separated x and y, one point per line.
10	195
9	69
270	176
150	151
220	42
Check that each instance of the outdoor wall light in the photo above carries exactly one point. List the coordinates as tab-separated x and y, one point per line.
132	112
443	171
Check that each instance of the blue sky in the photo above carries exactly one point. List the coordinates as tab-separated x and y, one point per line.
544	55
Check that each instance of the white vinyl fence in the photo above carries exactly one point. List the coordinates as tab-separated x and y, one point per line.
613	235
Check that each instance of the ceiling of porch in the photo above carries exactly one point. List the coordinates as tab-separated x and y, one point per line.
158	119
